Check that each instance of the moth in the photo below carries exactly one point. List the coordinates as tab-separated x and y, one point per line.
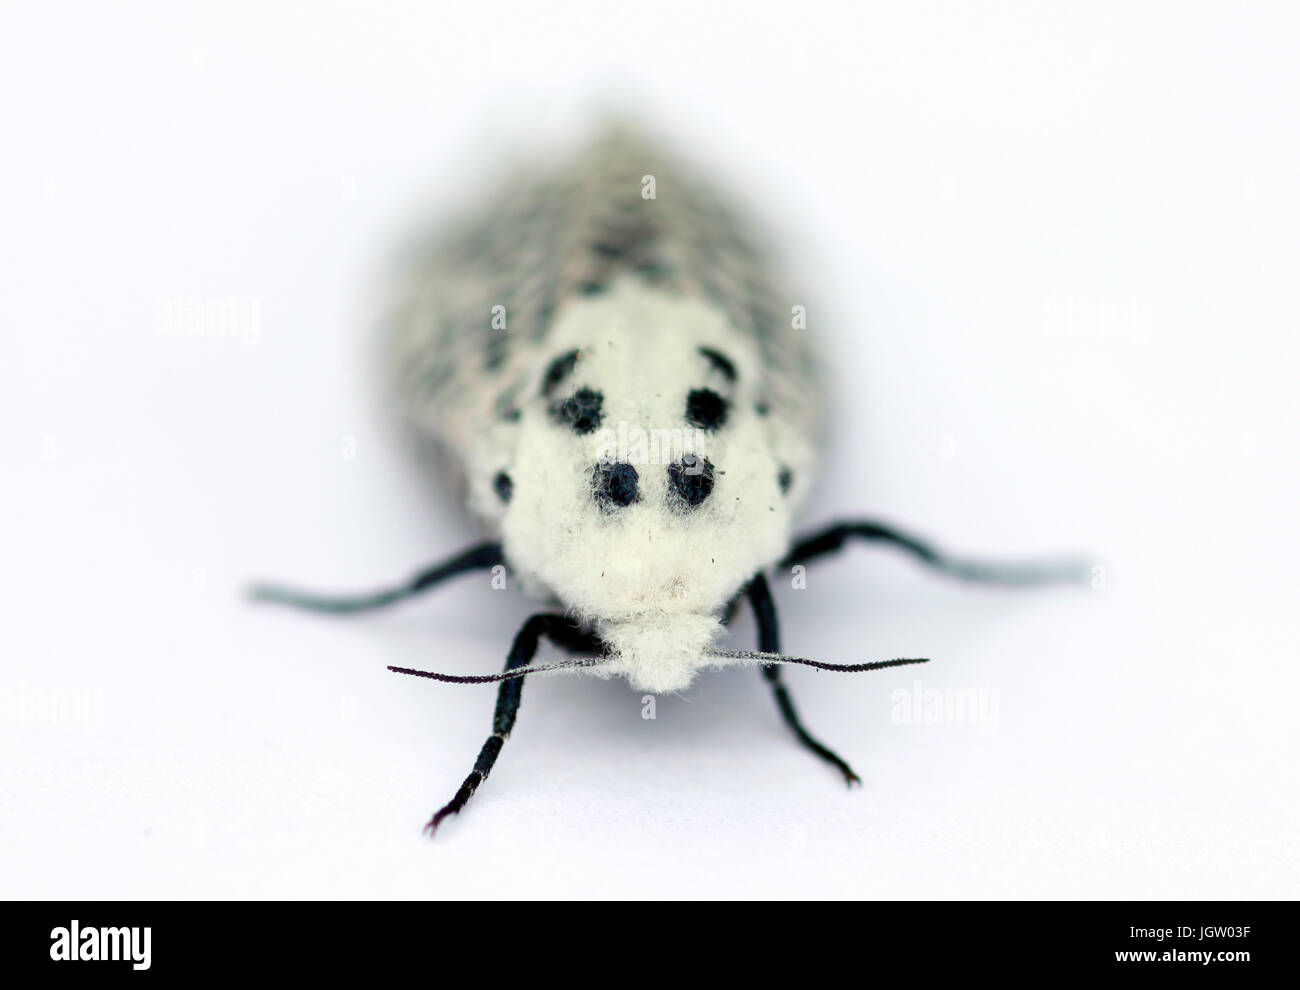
627	396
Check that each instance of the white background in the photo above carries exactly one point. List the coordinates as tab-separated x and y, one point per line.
1051	251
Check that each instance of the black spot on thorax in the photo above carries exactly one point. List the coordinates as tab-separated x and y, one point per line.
721	363
615	485
706	409
558	370
581	412
690	480
503	486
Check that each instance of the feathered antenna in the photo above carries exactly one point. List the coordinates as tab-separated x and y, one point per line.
508	675
740	656
757	656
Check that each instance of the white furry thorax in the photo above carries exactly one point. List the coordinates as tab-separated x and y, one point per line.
652	577
586	260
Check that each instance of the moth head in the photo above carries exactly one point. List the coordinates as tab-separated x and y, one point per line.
660	652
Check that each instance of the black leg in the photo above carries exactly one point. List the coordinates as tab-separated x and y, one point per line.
730	611
834	537
481	557
560	631
769	641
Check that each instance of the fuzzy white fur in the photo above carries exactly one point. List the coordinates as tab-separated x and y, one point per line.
651	577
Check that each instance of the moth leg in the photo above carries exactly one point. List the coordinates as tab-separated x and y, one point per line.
769	641
575	639
481	557
1023	574
558	630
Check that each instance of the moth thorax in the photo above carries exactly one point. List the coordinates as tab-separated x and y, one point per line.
660	652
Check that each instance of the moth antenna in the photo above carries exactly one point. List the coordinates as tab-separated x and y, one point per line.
508	675
758	656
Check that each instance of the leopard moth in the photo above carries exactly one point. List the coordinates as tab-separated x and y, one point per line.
611	369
